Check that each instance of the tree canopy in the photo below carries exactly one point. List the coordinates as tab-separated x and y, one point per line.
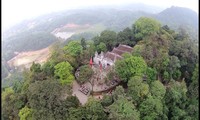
73	48
108	37
129	67
157	89
85	74
122	109
64	71
158	80
137	89
145	26
151	109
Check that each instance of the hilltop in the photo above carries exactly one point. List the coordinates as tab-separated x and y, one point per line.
146	71
39	33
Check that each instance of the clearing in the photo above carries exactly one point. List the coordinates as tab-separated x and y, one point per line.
25	59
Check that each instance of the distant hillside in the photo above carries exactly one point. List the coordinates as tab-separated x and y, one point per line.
22	36
175	17
35	34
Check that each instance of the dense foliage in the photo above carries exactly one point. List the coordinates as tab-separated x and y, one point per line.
160	79
64	71
131	66
36	33
85	74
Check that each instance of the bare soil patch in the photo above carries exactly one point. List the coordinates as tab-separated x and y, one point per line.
25	59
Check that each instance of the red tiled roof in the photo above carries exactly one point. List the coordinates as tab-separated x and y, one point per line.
117	52
112	56
125	48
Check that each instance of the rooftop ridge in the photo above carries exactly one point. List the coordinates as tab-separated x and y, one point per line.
119	50
125	46
115	54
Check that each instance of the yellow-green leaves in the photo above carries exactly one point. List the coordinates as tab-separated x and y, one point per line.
145	26
130	67
25	113
64	70
73	48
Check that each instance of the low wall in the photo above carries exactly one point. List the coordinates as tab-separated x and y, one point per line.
104	91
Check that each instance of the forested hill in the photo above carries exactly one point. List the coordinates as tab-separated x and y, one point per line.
116	18
158	79
36	34
176	17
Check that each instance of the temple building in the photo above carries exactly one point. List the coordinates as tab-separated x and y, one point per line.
109	58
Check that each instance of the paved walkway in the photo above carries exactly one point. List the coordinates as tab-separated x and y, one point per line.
82	97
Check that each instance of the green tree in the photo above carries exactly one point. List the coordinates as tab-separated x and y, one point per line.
173	66
73	48
94	110
57	53
154	50
4	68
72	101
193	87
151	109
91	48
137	89
193	95
38	76
145	26
122	109
129	67
64	71
111	75
119	91
166	28
106	101
109	38
175	99
182	33
20	100
84	57
166	77
193	109
85	74
151	74
125	37
27	80
83	43
36	67
25	113
137	49
47	99
176	75
48	68
43	93
96	40
10	104
76	113
17	86
157	90
186	51
156	58
6	92
101	47
74	61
